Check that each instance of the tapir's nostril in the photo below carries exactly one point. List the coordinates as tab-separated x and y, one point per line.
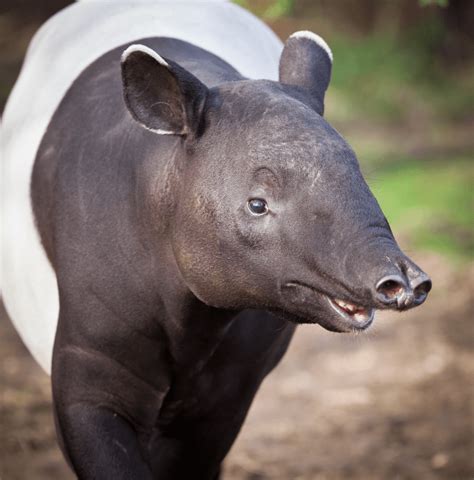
390	288
421	290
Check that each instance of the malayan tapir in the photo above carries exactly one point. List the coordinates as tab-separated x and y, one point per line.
174	204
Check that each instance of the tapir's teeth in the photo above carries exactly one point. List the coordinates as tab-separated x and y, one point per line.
350	307
356	313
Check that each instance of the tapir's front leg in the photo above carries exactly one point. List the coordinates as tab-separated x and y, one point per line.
97	441
100	442
102	408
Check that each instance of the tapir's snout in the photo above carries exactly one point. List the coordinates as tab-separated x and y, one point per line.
376	276
393	281
405	289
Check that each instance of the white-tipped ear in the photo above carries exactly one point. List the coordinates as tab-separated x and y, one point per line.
162	96
306	62
137	47
314	38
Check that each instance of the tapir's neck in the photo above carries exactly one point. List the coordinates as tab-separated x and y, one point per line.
194	329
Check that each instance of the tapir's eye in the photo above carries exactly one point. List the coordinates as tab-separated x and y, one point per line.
257	206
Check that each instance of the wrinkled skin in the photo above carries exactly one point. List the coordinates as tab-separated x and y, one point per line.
175	289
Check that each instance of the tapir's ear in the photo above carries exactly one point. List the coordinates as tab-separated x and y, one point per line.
306	62
161	95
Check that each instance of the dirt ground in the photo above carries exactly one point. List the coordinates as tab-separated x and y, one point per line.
395	403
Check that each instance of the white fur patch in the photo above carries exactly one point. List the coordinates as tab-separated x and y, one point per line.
144	49
314	38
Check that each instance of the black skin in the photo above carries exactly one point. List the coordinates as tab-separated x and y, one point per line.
166	280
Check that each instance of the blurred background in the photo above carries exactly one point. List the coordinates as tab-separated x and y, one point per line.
396	403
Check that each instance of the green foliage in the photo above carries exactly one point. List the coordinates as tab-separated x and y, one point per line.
279	8
274	10
439	3
432	202
242	3
390	79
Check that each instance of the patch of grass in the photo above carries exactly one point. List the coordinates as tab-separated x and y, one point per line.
432	202
268	9
390	79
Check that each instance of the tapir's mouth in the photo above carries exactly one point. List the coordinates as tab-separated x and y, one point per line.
360	317
308	304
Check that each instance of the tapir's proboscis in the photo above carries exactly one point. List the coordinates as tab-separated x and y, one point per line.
174	205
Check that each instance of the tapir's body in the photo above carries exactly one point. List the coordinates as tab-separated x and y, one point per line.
143	191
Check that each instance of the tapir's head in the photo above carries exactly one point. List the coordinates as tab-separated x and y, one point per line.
271	209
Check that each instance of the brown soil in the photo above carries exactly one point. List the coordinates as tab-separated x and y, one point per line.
393	404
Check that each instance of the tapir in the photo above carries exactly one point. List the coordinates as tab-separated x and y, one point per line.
174	205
